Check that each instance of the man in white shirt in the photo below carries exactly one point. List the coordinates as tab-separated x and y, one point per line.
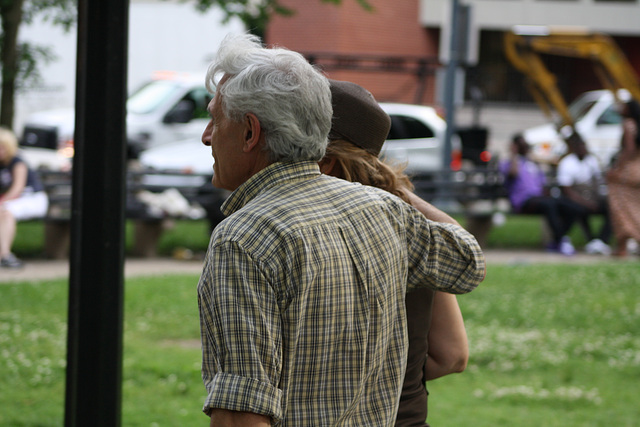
580	179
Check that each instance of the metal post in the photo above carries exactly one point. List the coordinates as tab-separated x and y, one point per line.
444	199
94	347
450	81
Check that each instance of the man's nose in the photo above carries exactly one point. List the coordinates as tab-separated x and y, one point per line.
206	135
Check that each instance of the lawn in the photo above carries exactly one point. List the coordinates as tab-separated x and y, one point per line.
161	363
552	345
518	231
194	235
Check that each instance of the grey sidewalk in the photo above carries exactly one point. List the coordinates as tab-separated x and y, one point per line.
34	270
59	269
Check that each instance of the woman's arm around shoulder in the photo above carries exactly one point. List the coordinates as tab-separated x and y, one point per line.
429	211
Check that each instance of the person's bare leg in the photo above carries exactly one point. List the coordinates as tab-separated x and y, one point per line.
621	247
7	232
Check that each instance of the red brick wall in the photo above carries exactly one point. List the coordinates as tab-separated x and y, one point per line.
392	28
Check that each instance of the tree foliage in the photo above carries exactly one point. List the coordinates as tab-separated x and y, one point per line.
255	14
19	60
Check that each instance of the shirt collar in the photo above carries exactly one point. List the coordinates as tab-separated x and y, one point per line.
275	174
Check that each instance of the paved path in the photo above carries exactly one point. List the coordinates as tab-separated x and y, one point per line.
58	269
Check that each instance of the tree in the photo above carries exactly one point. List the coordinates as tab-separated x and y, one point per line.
255	14
19	61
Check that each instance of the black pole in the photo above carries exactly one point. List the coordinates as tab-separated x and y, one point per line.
94	347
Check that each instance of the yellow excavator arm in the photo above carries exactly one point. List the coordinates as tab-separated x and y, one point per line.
610	64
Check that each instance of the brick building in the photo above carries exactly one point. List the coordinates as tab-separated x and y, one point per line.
373	42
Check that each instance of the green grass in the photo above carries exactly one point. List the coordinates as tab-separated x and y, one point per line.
528	231
519	231
552	345
29	242
161	362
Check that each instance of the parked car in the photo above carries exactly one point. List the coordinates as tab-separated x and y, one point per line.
189	156
416	139
597	120
43	158
170	107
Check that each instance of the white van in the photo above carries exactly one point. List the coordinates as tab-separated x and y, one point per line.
597	120
170	107
166	118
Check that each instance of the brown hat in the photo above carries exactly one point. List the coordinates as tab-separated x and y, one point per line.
357	117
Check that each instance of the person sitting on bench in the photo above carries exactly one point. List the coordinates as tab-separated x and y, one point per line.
525	183
22	196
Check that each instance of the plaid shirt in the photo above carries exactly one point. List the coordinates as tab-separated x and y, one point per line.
302	296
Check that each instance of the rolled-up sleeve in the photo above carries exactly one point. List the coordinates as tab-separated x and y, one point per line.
241	334
444	257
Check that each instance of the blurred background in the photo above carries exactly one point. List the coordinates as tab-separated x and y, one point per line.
398	50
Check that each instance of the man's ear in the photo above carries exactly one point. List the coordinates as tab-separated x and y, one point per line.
327	165
252	132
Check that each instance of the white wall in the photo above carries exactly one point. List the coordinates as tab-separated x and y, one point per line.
173	36
163	35
615	18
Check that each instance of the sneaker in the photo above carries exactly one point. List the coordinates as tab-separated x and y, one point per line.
597	247
10	261
565	247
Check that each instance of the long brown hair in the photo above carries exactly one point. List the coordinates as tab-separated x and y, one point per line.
357	165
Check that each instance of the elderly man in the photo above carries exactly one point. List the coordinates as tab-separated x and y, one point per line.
302	292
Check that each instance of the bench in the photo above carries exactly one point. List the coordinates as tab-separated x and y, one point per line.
475	193
153	200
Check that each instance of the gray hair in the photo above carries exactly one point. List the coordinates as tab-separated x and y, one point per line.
289	96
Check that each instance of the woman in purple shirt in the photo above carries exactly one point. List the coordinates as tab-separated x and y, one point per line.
525	182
